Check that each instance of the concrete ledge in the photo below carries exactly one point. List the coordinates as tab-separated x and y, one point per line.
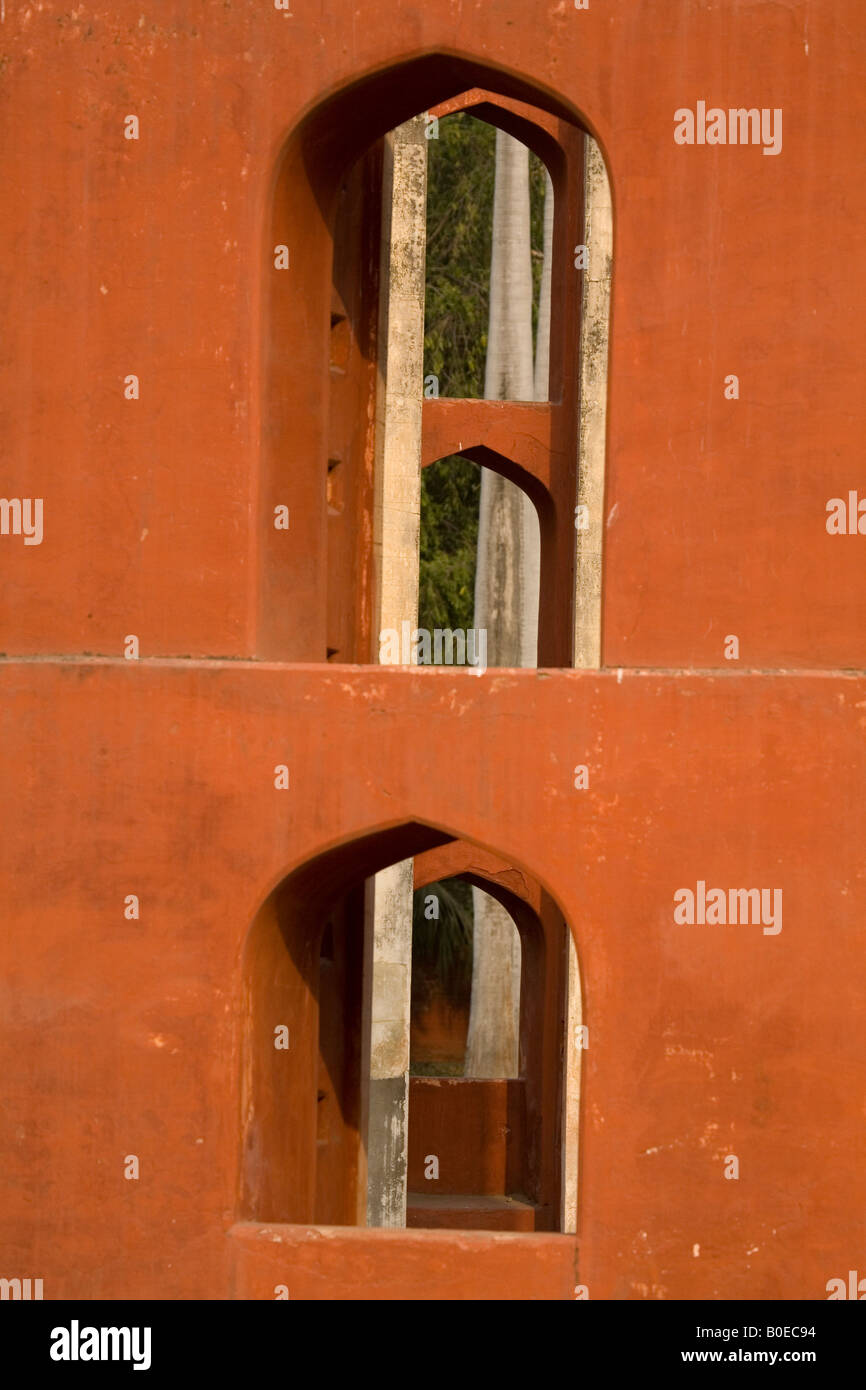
434	1212
342	1263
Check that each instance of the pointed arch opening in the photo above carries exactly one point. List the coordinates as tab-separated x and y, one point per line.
320	585
307	1041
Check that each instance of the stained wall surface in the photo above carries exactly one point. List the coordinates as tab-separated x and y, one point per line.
150	257
122	1036
155	777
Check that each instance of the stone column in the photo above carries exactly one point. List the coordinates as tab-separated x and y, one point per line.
594	332
594	336
397	515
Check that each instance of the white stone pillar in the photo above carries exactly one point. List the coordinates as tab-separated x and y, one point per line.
594	343
397	518
594	334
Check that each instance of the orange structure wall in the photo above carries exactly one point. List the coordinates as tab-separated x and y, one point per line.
155	776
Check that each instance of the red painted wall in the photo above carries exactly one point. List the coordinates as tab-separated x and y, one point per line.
156	777
148	257
122	1037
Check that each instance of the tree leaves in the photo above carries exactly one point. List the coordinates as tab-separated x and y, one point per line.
460	182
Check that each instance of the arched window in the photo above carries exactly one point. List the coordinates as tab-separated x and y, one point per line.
346	432
327	418
306	1102
465	1019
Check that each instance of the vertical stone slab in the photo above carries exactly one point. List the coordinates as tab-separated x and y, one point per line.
397	520
571	1066
390	992
506	585
594	347
397	507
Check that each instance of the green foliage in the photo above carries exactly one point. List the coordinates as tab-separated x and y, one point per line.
441	960
460	178
439	1068
461	170
460	182
537	185
443	946
450	491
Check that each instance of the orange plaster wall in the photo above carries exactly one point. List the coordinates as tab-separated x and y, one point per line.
123	1037
337	1264
473	1127
151	257
156	778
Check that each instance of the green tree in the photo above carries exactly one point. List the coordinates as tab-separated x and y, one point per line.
460	188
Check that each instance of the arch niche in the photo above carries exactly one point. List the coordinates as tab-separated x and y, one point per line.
303	1105
322	330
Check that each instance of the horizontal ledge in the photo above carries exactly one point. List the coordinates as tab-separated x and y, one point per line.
332	669
279	1233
